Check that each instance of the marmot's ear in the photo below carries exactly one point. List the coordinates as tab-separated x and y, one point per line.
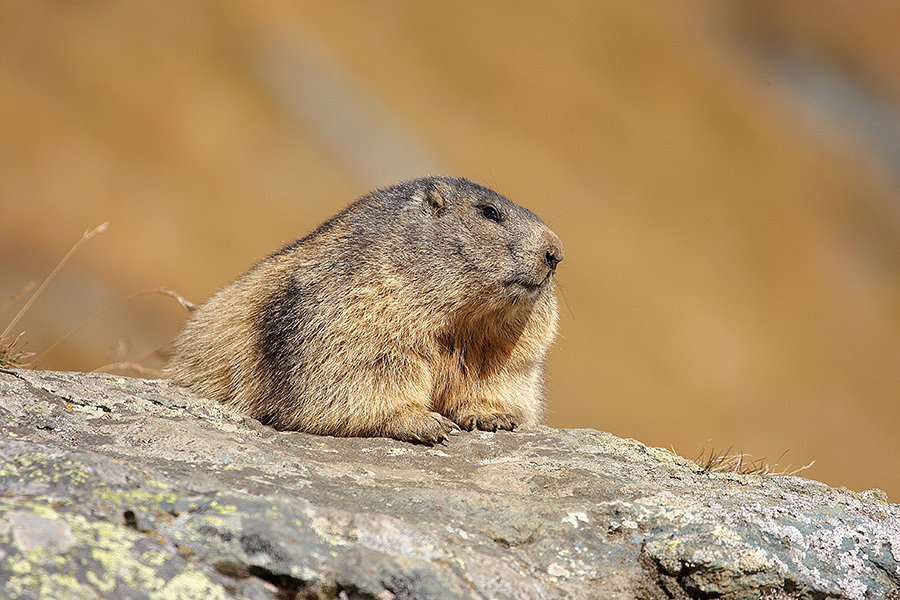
433	194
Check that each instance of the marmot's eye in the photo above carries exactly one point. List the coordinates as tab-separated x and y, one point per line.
489	212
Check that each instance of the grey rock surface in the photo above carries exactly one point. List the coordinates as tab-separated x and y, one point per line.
112	487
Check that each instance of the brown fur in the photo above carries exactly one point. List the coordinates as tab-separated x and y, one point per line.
411	312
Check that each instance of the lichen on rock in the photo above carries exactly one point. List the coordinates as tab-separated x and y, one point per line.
111	486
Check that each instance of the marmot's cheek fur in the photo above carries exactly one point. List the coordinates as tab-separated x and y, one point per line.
418	309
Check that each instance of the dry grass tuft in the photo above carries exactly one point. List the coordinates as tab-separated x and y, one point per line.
13	355
740	462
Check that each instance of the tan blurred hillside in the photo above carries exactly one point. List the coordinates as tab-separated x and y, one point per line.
725	177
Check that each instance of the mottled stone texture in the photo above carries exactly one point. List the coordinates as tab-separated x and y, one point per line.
113	487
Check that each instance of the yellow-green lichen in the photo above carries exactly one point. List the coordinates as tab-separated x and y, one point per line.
38	467
119	563
20	564
215	521
103	582
154	558
42	510
157	484
71	469
223	509
664	455
9	470
28	575
131	498
59	586
111	548
188	585
25	460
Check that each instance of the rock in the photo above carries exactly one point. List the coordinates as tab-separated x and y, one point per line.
112	487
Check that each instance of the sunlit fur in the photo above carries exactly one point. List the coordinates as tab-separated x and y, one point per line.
407	314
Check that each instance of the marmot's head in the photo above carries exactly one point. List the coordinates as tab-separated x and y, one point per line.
498	248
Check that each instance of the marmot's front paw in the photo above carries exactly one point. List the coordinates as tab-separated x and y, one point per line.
488	422
426	428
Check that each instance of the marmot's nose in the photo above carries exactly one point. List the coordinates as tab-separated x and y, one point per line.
554	256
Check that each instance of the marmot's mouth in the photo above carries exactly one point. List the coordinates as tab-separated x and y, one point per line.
529	284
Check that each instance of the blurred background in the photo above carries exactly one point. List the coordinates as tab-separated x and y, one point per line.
725	177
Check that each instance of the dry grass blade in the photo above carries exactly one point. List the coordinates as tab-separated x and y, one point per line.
787	473
12	355
181	299
118	366
87	235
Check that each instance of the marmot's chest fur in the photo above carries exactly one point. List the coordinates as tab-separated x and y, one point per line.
418	309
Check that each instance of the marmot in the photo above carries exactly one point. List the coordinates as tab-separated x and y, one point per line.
419	309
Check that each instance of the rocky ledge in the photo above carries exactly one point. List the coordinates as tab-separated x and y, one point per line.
126	488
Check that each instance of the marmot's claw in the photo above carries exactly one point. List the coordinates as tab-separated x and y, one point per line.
489	422
427	429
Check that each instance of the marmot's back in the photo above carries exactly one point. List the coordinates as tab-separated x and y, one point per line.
417	309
